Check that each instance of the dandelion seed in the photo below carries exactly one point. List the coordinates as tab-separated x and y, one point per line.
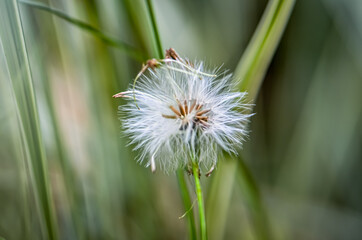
183	110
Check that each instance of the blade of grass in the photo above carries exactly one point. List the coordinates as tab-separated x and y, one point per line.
141	30
253	200
128	49
255	61
250	71
71	183
155	29
187	203
14	136
12	37
103	212
219	197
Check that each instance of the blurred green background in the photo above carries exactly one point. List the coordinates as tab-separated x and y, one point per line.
304	150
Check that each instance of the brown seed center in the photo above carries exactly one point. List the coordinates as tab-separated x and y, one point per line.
189	111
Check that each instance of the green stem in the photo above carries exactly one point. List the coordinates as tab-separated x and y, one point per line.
155	30
187	203
200	201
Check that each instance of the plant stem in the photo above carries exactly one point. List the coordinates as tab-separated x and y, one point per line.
200	201
155	30
187	203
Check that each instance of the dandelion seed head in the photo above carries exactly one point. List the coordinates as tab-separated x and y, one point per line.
183	110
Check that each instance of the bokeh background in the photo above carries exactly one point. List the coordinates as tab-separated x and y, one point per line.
304	151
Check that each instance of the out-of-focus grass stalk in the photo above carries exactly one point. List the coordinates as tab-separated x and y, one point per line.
139	19
7	96
187	204
252	198
155	29
12	37
222	186
68	173
71	186
130	50
102	211
250	71
257	56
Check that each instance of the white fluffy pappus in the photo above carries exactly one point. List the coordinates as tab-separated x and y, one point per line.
178	111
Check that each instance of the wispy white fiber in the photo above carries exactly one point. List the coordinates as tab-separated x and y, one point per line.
176	111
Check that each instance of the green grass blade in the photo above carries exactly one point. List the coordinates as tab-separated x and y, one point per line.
252	198
219	197
14	144
12	37
255	61
156	34
128	49
251	70
187	204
